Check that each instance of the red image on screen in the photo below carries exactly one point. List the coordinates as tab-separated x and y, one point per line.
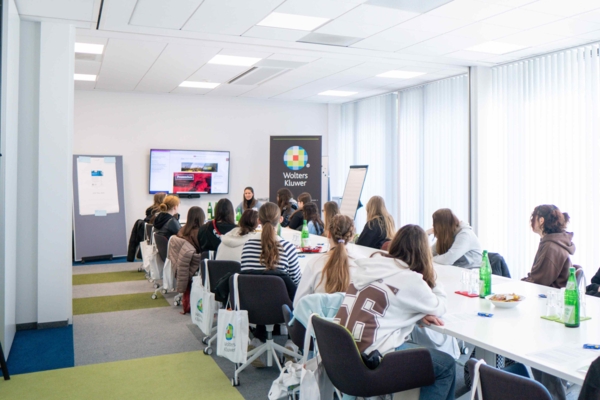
192	182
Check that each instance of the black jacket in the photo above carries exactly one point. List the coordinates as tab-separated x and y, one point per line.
591	386
165	224
207	237
372	235
296	221
498	265
137	235
592	288
286	213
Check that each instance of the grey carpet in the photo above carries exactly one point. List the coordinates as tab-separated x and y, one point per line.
99	268
111	289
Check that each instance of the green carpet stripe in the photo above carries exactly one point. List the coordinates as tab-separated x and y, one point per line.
122	302
175	376
107	277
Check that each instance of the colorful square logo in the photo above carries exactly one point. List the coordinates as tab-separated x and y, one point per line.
295	158
229	332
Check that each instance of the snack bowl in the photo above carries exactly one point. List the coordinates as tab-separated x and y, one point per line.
511	303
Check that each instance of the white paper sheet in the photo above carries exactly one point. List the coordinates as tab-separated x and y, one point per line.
97	186
573	355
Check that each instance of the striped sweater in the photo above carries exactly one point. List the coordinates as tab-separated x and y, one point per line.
288	258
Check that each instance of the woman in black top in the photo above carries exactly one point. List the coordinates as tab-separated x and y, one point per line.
379	227
287	205
209	234
165	223
297	218
154	208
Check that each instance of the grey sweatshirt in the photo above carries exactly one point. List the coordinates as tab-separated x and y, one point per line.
465	251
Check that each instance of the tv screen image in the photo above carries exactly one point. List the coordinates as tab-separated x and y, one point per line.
189	171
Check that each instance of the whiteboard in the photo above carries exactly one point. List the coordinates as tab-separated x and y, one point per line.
353	190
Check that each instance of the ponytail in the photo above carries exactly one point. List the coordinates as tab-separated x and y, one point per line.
163	207
336	271
269	215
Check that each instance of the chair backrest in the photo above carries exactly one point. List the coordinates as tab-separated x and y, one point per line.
262	296
297	331
579	275
148	233
218	269
348	373
162	245
501	385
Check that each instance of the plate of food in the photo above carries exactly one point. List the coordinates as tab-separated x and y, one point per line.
505	300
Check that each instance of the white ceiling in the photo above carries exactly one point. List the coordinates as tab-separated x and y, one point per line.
154	45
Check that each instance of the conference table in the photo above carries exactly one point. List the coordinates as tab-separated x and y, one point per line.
518	333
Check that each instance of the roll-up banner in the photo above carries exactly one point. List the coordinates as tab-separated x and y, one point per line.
296	165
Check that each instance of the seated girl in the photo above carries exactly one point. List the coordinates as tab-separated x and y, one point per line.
401	287
297	218
165	223
310	212
287	205
330	210
552	260
209	234
154	208
380	225
330	272
233	242
456	243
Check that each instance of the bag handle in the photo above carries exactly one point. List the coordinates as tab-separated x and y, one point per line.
236	295
477	382
307	337
206	277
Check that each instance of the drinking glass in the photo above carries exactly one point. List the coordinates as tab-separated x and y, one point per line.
474	281
465	281
296	239
552	304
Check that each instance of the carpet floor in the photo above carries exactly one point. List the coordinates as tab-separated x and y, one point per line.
115	260
95	269
108	277
177	376
103	304
41	349
111	289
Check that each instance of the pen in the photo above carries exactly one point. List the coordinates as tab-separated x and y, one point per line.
592	346
482	314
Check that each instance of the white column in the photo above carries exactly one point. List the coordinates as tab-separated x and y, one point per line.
8	172
55	210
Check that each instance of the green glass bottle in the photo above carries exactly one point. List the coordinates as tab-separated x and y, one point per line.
305	237
210	211
238	216
571	313
485	276
278	229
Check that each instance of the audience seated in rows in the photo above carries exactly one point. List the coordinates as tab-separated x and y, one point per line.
233	242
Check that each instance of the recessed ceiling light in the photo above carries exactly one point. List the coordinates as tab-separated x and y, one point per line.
89	48
201	85
340	93
292	21
496	47
397	74
84	77
234	60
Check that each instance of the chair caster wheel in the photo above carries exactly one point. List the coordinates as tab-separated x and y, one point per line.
154	297
164	291
207	351
205	340
235	383
156	286
175	303
465	350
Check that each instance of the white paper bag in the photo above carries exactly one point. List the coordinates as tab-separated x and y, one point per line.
232	331
168	276
206	306
146	250
195	295
156	264
287	381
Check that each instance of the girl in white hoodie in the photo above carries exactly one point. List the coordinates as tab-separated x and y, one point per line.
233	242
389	294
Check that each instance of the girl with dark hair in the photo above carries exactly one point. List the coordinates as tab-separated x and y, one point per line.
552	260
154	208
287	205
380	225
185	255
232	243
195	219
209	234
456	243
310	212
401	286
165	223
249	202
330	272
297	218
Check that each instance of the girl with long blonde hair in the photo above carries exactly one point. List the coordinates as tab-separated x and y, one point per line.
380	225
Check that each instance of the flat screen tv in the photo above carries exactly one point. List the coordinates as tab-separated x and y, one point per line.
189	171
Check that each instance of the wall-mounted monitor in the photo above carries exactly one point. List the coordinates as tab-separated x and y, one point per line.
189	171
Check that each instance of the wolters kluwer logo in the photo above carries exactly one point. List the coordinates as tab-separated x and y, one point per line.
229	332
295	158
199	305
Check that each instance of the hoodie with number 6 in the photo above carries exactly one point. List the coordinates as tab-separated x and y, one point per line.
552	260
384	301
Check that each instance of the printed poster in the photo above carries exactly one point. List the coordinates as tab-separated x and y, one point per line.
97	185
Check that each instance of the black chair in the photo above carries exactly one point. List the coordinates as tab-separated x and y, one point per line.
162	245
398	371
297	331
148	229
501	385
205	255
262	296
216	271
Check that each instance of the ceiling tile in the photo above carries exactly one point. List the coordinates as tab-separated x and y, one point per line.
187	90
531	38
564	8
217	73
350	29
84	85
442	45
126	62
87	67
469	10
80	10
485	31
167	14
317	8
175	64
433	23
293	58
373	15
244	53
509	3
230	90
470	55
522	19
595	35
90	39
374	43
569	27
265	32
592	16
231	17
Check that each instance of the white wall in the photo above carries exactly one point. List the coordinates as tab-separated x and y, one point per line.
130	124
8	172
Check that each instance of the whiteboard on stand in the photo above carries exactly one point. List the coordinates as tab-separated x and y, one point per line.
353	190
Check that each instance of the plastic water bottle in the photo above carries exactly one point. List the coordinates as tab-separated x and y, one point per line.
485	276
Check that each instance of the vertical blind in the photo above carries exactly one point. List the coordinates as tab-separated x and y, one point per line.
434	150
542	148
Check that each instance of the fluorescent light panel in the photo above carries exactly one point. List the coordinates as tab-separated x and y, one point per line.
339	93
89	48
292	21
397	74
84	77
221	59
200	85
496	47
